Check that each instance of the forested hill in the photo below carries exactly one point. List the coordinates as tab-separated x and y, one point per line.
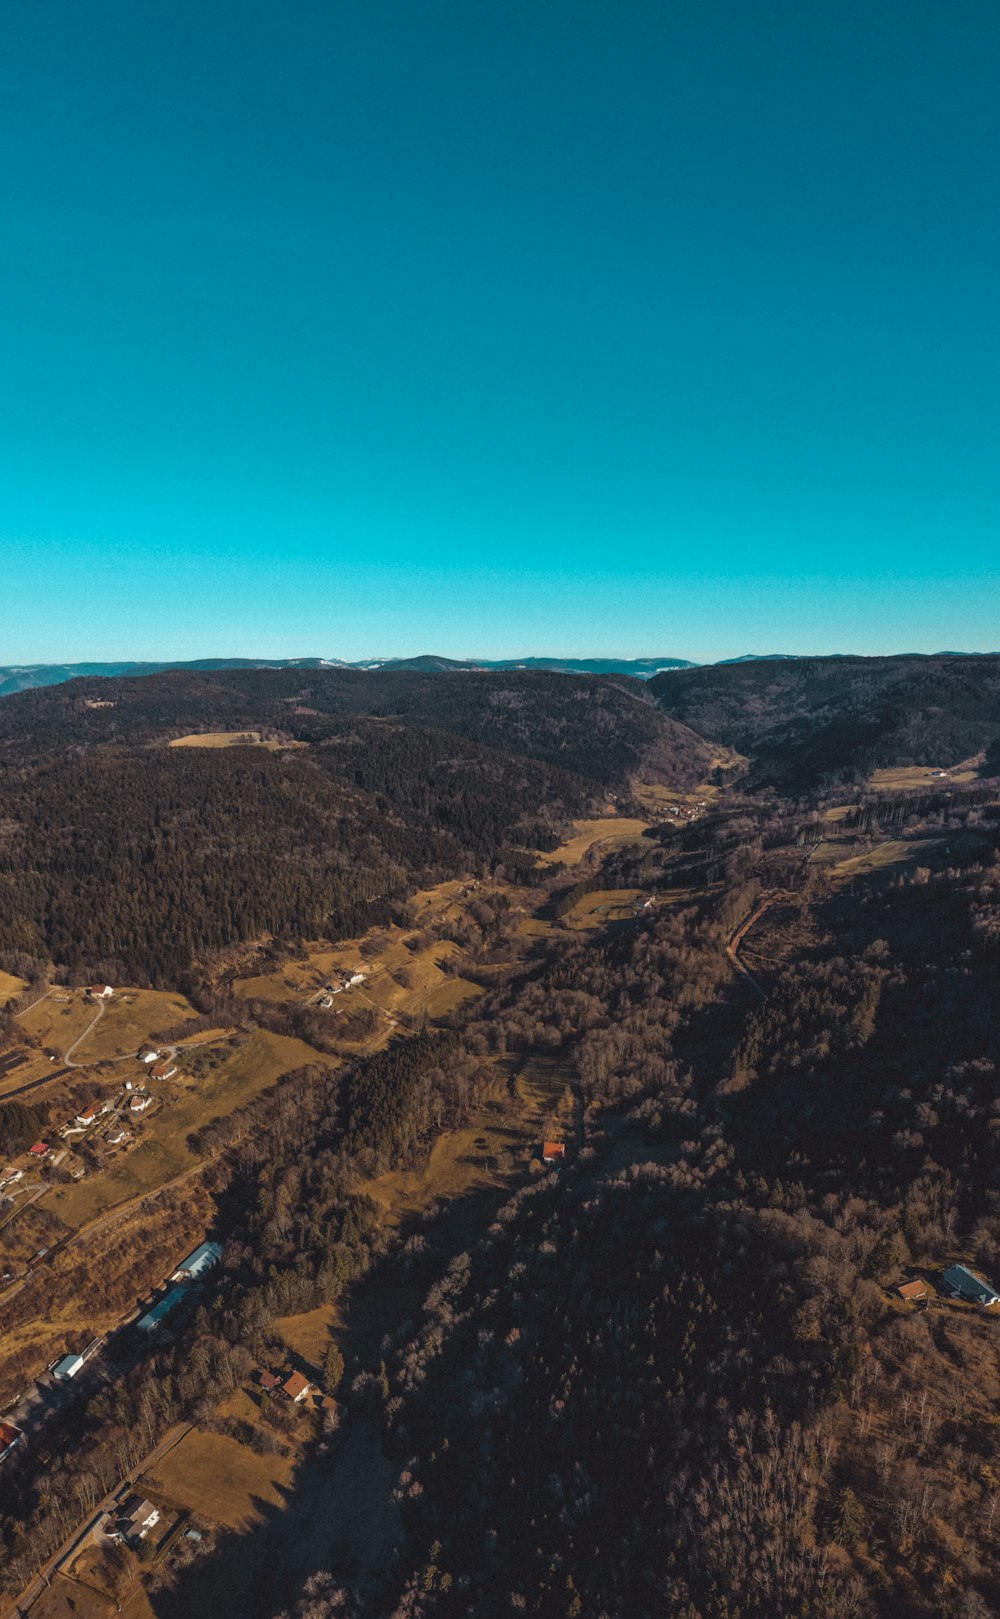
124	858
803	722
604	728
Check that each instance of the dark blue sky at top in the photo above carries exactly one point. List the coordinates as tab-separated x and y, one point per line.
499	328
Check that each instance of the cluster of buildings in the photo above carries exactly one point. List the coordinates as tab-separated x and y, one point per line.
956	1282
340	979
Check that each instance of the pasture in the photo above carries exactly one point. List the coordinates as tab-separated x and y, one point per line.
130	1019
11	986
610	832
57	1023
230	739
910	778
220	1479
604	905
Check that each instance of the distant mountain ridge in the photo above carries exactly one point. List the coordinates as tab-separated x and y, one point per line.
29	676
16	677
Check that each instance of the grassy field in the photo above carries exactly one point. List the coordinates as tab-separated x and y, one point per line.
309	1335
654	797
613	832
905	778
452	993
58	1023
895	852
163	1153
230	739
604	905
71	1599
129	1020
836	812
11	986
222	1480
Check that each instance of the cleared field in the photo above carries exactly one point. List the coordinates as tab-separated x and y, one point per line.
837	812
58	1023
222	1480
449	995
74	1599
653	796
230	739
11	986
902	777
163	1153
309	1335
132	1017
895	852
460	1161
604	905
613	832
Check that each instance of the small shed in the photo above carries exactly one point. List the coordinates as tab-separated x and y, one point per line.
913	1291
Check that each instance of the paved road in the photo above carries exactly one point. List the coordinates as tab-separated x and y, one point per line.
80	1535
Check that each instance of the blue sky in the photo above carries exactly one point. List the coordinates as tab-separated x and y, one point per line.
635	328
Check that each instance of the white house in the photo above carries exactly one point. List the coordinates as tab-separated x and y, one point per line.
95	1111
140	1101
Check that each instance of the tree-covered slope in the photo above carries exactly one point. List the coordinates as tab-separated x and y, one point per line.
809	720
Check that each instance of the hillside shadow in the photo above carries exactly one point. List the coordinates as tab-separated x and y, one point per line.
337	1514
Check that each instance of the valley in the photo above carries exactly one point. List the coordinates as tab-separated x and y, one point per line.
653	1025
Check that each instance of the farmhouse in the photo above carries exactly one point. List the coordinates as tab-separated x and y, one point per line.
149	1054
100	992
296	1387
553	1152
9	1176
136	1518
269	1383
164	1070
196	1264
10	1438
39	1149
140	1101
962	1283
67	1368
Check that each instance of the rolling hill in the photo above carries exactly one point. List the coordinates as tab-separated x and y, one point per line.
806	722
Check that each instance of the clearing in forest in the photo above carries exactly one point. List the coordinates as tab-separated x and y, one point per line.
130	1019
59	1019
903	778
603	906
220	1479
894	852
611	832
11	986
230	739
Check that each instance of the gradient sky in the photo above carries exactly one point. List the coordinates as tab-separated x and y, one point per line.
348	327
